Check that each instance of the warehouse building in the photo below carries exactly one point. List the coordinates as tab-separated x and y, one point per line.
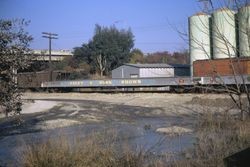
151	70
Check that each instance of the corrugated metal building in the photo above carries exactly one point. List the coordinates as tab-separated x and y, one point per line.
151	70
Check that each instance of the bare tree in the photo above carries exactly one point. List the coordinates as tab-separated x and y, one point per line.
239	92
101	63
14	53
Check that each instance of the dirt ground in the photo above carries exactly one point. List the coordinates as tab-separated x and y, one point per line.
170	104
139	99
142	117
43	111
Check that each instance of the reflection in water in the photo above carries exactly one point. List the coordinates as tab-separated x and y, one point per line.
140	134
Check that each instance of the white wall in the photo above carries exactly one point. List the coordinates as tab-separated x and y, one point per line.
156	72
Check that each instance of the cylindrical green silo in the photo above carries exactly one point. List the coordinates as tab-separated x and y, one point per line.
244	31
224	34
199	37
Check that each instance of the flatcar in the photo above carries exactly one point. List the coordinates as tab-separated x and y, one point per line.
167	84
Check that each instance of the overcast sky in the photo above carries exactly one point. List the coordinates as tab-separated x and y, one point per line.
151	21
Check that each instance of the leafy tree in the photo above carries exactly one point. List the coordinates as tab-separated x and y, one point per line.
136	56
14	43
67	64
108	49
82	54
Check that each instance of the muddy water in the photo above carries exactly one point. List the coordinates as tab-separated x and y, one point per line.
139	131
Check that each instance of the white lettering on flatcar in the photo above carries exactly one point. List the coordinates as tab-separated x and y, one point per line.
107	82
76	83
130	82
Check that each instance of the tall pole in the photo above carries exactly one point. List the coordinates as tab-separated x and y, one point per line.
50	36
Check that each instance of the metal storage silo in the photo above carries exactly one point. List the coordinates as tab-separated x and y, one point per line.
199	38
244	31
223	33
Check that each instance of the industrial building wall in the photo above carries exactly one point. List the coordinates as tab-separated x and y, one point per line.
156	72
125	72
222	67
184	71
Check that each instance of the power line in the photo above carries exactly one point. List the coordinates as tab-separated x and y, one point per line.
50	36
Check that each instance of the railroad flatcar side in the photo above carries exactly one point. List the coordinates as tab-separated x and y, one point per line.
130	82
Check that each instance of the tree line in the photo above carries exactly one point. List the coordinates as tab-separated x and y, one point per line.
110	48
181	57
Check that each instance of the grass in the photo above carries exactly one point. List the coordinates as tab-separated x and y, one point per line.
96	150
218	136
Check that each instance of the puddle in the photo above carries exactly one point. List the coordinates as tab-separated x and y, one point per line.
139	135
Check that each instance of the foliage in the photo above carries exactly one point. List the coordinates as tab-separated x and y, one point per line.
95	150
36	66
14	43
136	56
108	49
67	64
83	53
166	57
219	135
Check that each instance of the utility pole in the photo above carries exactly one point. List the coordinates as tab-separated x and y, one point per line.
50	36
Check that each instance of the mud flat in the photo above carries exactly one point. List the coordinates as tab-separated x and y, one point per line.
52	110
137	118
55	110
172	103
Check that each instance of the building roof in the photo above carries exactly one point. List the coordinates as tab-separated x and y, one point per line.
158	65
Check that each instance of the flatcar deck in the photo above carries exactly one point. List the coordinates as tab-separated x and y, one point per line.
135	82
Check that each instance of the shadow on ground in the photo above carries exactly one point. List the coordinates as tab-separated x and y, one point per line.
82	111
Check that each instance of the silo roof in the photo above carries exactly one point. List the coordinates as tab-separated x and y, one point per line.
199	14
246	6
223	9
